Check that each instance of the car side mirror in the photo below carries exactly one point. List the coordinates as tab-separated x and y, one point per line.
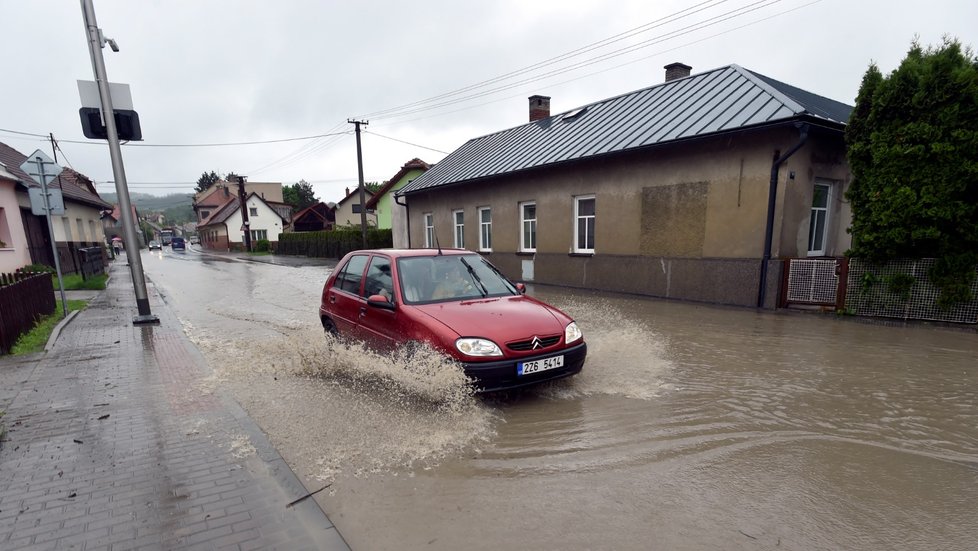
521	288
380	301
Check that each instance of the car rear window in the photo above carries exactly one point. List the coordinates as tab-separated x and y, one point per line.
350	274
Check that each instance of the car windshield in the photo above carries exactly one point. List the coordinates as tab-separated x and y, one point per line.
450	277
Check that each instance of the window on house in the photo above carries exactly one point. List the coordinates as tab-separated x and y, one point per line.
459	218
584	224
6	241
204	214
91	230
819	224
257	235
429	230
81	229
485	229
67	226
528	227
252	211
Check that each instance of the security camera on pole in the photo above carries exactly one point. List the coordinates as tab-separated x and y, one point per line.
109	118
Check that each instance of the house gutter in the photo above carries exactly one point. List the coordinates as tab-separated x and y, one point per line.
771	202
407	213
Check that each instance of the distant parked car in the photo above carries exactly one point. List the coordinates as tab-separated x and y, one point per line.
154	244
459	304
178	244
194	240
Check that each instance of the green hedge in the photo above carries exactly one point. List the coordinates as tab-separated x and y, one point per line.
331	244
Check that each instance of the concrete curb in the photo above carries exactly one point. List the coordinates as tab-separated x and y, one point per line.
57	330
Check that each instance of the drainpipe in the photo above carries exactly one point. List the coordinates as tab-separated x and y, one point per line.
771	201
407	213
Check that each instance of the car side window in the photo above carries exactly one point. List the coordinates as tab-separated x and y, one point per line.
351	274
379	279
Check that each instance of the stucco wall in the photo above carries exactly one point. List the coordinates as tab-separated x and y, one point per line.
689	218
14	252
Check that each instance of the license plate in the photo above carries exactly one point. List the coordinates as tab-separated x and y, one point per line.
536	366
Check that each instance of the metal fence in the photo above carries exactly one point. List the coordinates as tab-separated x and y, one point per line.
24	299
902	289
813	281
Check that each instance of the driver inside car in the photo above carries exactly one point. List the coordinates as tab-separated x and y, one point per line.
452	284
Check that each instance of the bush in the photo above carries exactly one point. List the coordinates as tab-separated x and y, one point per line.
332	244
37	269
262	246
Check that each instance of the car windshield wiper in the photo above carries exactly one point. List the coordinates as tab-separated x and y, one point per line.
482	287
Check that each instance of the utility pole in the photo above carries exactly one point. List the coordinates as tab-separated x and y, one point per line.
95	44
363	194
243	203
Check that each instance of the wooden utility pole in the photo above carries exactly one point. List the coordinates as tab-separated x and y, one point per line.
363	195
243	202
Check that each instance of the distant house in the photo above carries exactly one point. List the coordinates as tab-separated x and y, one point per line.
112	224
80	225
224	228
318	217
391	215
204	202
663	192
348	210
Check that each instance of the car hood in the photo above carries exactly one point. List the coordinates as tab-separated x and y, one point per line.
503	319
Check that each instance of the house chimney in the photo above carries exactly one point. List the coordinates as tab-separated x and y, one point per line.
677	70
539	107
347	192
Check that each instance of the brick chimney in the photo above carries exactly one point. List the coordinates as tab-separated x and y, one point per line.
677	70
539	107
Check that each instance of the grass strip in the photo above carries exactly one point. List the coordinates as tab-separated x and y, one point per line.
35	339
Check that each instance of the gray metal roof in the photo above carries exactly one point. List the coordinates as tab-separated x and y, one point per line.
722	100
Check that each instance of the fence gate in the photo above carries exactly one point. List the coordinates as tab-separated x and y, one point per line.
814	281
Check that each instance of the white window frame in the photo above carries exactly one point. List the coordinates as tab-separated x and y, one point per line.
458	219
577	220
252	211
523	227
429	229
485	231
258	235
814	212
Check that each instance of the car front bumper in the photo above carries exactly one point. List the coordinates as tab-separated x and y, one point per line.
501	375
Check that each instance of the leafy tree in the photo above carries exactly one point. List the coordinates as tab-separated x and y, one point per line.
206	180
913	149
300	195
373	187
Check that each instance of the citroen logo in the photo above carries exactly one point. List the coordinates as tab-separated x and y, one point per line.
536	342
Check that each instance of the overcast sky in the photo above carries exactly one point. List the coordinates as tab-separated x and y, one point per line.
427	75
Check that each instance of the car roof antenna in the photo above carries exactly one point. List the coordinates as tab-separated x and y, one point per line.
437	244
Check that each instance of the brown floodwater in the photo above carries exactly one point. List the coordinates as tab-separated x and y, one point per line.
691	426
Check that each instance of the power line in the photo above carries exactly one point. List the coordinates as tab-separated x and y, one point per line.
738	12
409	143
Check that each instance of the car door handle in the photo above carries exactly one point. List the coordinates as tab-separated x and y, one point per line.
332	299
363	311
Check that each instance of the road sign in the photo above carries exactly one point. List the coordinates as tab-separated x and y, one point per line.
55	203
41	167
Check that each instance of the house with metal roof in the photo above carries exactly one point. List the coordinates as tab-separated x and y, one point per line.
79	227
695	189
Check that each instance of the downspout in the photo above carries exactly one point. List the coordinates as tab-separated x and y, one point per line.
771	202
407	213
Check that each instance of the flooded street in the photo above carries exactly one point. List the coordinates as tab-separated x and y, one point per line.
691	426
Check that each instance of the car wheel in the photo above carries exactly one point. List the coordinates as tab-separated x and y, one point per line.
330	328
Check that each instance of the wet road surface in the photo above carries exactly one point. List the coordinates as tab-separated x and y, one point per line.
691	427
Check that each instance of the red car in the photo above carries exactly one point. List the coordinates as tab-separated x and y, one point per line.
458	303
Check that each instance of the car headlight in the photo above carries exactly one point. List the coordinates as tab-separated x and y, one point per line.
572	333
477	347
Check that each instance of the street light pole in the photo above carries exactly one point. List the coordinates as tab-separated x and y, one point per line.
95	44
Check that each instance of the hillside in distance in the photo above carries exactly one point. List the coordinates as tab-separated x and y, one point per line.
176	207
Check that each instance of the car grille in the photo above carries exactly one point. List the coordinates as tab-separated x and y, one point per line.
544	342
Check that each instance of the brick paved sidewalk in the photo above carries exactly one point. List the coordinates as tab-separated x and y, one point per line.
115	442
